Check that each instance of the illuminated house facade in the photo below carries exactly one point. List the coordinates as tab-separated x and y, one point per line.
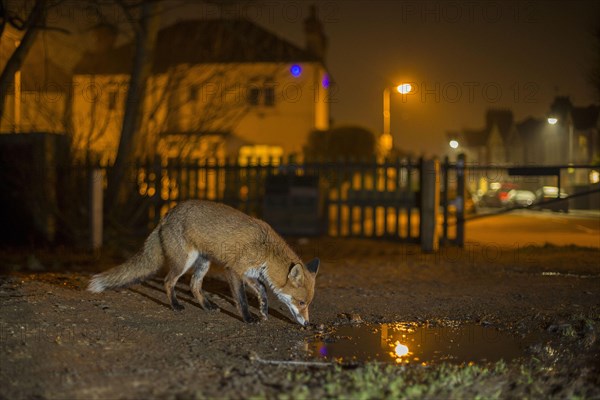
219	88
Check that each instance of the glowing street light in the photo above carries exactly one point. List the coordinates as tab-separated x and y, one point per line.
404	88
552	120
454	144
386	137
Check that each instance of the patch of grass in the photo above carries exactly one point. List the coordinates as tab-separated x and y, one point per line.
390	381
492	381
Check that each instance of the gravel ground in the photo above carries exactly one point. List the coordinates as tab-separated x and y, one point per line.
59	341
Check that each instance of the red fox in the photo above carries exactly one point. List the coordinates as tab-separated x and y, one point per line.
196	232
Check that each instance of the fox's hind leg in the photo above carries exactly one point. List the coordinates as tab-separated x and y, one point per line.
239	294
261	292
179	262
200	269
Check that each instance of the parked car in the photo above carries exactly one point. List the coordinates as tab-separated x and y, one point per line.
496	197
549	193
520	198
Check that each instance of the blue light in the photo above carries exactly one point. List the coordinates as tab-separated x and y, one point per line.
296	70
325	81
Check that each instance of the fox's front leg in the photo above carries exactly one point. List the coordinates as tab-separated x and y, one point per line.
261	292
239	294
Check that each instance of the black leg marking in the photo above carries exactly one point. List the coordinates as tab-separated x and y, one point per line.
239	294
261	292
200	269
170	282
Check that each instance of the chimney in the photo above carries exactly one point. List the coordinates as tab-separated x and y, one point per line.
316	41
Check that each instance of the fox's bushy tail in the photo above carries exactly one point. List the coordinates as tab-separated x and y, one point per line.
139	267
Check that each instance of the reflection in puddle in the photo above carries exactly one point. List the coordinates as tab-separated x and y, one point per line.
405	343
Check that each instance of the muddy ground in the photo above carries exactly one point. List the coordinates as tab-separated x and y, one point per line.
59	341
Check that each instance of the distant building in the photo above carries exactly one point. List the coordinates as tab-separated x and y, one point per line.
218	88
497	143
573	139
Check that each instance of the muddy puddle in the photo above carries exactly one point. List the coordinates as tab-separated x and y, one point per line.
406	343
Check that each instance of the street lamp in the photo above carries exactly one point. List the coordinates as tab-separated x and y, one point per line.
386	136
552	120
454	144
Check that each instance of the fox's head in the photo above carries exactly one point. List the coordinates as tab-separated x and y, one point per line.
299	289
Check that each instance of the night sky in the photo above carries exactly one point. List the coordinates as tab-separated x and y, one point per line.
469	56
463	56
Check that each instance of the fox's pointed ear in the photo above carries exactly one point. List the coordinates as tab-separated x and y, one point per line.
296	276
313	265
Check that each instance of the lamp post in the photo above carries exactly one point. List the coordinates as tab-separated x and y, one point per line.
554	121
386	137
570	176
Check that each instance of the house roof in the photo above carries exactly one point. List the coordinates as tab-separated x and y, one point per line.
529	127
475	137
198	42
502	119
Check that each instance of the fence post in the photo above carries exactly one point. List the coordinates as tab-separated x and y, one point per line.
156	201
96	208
460	199
445	173
430	202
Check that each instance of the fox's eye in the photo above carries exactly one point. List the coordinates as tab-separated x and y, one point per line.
302	303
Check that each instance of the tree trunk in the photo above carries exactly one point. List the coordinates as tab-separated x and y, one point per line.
32	27
142	69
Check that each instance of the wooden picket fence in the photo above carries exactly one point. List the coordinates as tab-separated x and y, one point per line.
369	199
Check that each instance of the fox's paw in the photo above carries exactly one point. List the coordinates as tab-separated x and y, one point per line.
252	320
210	306
177	307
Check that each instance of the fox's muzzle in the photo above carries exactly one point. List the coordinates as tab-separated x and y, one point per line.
301	318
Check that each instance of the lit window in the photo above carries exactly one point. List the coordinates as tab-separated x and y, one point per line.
267	155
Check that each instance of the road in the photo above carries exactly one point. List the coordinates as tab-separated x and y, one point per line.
524	227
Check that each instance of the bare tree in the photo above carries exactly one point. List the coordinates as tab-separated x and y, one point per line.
146	31
30	26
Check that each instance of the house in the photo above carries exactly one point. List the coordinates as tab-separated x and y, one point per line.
497	143
218	88
572	139
36	99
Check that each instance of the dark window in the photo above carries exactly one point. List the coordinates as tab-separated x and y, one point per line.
193	95
253	96
112	99
269	96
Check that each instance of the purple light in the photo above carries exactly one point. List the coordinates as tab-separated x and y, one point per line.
296	70
325	81
323	351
